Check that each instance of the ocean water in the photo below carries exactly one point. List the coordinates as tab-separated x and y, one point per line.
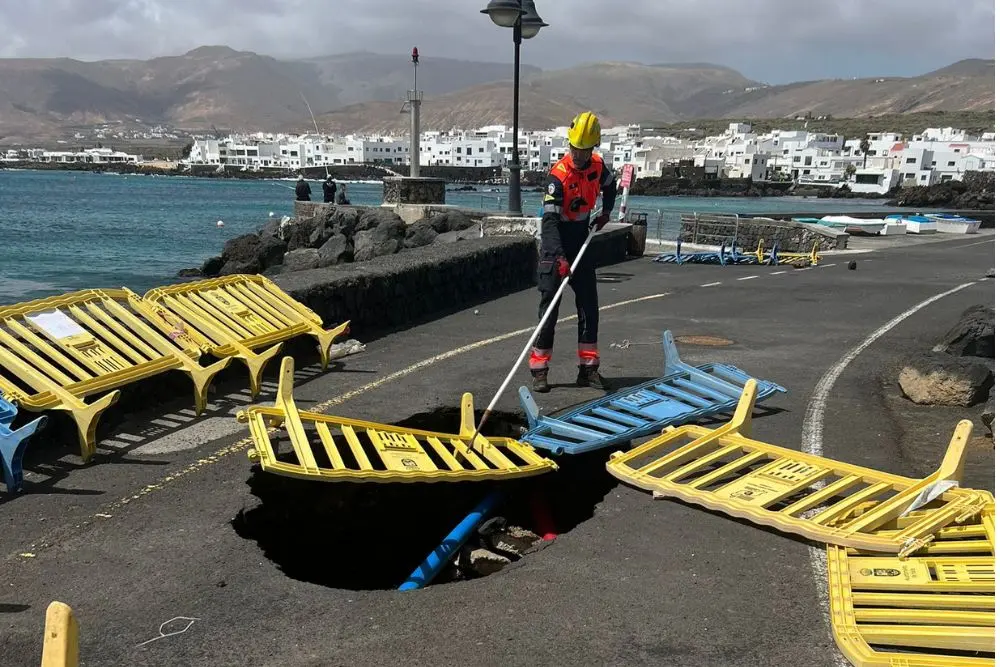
63	231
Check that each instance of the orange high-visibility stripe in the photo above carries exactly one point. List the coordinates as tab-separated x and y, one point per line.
539	359
588	354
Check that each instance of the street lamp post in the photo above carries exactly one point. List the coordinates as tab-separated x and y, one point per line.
522	17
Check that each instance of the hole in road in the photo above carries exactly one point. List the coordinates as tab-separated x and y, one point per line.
364	536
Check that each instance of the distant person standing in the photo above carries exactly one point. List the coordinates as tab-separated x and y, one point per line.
342	195
329	190
302	190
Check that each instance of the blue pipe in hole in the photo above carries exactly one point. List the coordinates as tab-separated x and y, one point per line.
437	559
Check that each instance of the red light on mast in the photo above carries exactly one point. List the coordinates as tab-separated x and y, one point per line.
416	55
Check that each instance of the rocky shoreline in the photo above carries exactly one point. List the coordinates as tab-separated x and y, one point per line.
336	235
976	192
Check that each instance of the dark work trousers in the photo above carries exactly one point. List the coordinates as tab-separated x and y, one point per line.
584	284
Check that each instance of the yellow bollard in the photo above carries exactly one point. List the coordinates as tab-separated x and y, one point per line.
61	647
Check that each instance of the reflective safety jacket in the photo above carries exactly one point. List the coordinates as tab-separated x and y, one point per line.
570	197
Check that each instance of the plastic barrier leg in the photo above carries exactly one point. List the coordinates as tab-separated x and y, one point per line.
326	339
531	411
61	646
86	417
12	446
436	559
202	379
255	364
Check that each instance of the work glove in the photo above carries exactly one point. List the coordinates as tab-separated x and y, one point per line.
562	266
601	220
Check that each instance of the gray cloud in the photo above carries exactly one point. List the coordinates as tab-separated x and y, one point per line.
771	40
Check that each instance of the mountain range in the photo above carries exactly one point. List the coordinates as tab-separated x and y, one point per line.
218	87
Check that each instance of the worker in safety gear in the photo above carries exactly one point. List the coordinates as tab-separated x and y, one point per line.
329	190
302	189
570	197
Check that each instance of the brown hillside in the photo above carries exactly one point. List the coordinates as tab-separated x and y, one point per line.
240	90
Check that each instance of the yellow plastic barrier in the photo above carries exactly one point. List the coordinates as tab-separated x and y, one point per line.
787	257
932	609
343	449
235	316
724	470
61	645
55	352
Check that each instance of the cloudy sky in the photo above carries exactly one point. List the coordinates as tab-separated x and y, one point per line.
769	40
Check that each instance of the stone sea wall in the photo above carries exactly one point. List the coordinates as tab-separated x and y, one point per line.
790	236
398	190
399	290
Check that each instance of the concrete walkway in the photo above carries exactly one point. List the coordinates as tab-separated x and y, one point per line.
144	536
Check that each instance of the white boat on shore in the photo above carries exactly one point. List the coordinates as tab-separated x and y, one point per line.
949	223
853	225
916	224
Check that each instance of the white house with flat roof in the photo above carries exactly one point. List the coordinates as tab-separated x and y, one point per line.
874	180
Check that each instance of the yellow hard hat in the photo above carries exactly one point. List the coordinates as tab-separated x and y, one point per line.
585	131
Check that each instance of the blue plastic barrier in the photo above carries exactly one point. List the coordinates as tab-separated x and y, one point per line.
684	393
678	257
13	443
444	552
736	256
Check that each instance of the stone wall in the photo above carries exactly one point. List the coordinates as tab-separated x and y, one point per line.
790	236
410	213
502	225
399	290
408	190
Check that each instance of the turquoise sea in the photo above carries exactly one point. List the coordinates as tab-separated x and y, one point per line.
64	231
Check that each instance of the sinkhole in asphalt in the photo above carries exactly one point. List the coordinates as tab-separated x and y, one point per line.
371	536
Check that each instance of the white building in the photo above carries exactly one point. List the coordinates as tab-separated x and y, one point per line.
203	151
934	156
750	165
874	180
89	156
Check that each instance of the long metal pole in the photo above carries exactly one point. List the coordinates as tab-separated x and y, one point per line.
415	128
514	199
414	136
315	125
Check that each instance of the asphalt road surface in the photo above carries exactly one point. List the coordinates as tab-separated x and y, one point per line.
146	534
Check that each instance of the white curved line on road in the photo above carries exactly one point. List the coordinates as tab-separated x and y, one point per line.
812	435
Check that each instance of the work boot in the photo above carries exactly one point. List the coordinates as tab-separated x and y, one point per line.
589	377
540	381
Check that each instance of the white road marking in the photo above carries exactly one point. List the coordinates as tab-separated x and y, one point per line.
777	273
812	435
748	277
969	245
712	284
827	266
